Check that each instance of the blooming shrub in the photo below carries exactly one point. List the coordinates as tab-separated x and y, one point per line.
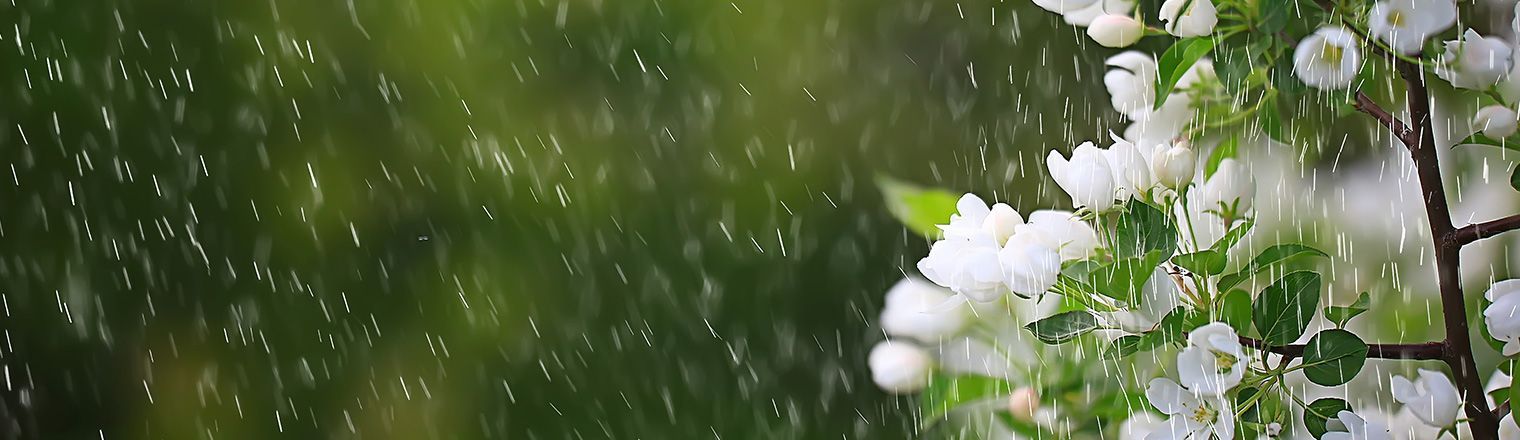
1141	313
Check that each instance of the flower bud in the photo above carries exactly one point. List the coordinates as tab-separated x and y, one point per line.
1173	167
1198	20
1115	30
1087	177
1231	186
1023	403
899	367
1495	121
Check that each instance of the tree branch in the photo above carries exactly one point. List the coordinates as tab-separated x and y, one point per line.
1423	350
1459	354
1418	137
1478	231
1366	105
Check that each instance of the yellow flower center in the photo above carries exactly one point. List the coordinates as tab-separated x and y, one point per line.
1223	362
1396	18
1203	415
1331	53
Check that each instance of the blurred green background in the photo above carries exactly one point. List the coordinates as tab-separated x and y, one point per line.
491	219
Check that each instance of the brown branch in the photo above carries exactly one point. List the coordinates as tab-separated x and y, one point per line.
1478	231
1418	137
1366	105
1502	410
1423	350
1459	354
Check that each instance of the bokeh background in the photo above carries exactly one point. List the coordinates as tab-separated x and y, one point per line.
533	219
490	219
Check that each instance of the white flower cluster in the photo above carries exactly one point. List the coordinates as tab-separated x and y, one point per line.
989	252
1110	24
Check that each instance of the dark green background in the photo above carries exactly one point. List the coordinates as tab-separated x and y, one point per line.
492	219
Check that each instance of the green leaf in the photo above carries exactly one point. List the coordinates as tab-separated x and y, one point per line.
1321	410
918	208
946	392
1284	308
1274	15
1063	327
1169	330
1514	179
1341	314
1123	346
1514	395
1141	229
1123	279
1479	139
1230	238
1271	120
1284	80
1236	310
1176	61
1225	150
1270	257
1251	414
1205	262
1333	357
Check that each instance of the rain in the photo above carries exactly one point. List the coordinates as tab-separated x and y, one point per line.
594	219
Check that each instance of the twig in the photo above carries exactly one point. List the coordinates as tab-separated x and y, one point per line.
1478	231
1423	350
1366	105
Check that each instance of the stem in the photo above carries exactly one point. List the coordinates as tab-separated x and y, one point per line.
1479	231
1424	350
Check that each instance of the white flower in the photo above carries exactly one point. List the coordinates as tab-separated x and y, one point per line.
1346	425
1475	62
1163	125
1509	87
1173	166
1158	296
916	309
974	218
1072	238
1115	30
1200	224
1192	417
1200	71
899	368
1062	6
1087	177
1132	86
1432	398
1495	121
1131	165
1327	59
1405	24
1086	16
1139	425
1230	186
1197	21
1030	267
1503	316
967	267
1213	361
